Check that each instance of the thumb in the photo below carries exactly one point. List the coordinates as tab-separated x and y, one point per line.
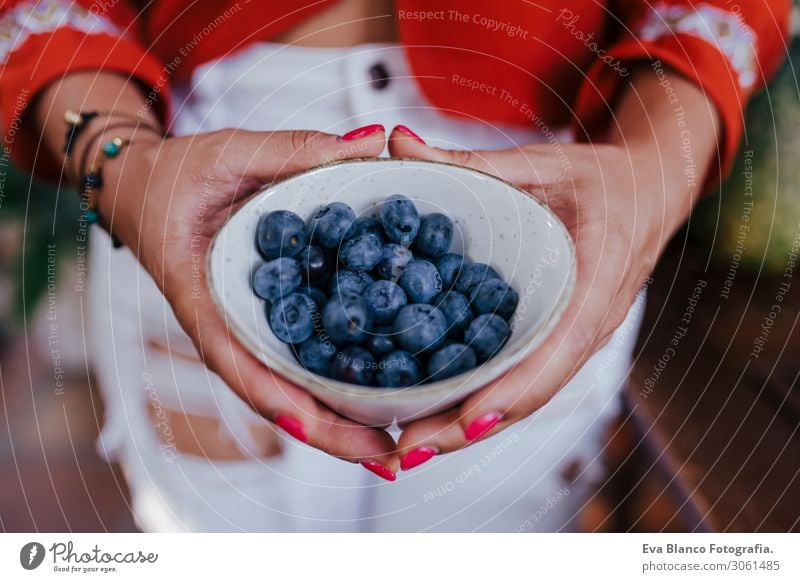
267	155
404	143
511	165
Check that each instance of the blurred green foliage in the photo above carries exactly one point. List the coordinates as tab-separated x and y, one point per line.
46	216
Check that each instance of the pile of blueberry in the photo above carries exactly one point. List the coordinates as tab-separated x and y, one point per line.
379	303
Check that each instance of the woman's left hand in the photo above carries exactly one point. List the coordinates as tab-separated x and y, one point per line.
620	221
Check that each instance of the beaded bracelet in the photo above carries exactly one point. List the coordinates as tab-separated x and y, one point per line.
93	179
78	121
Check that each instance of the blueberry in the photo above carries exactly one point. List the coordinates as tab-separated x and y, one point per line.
398	369
486	335
276	278
400	219
450	361
450	266
333	257
380	341
344	280
330	224
367	225
316	355
292	318
354	365
456	310
384	299
494	296
435	235
317	295
280	234
314	264
421	281
420	327
472	275
394	258
347	318
361	253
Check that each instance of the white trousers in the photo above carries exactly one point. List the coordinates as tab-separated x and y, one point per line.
532	477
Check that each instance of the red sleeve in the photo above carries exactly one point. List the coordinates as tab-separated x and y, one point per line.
728	49
38	57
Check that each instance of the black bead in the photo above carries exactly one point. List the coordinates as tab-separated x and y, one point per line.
93	180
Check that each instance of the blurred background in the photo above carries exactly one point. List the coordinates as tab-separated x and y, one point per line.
709	439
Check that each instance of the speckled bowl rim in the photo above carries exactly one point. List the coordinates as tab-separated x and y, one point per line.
468	384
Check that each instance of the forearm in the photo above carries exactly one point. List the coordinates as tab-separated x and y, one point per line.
93	91
670	130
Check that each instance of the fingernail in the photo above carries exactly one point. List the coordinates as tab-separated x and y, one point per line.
416	457
292	426
379	469
481	425
409	133
362	132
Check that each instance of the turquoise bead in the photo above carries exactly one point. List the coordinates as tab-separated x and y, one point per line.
92	216
111	149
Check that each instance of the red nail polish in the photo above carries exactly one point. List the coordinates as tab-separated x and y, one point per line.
416	457
292	426
481	425
409	133
379	469
362	132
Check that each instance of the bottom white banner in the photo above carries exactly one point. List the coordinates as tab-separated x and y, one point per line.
388	557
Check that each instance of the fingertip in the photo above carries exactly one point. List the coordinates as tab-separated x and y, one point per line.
364	142
405	143
380	455
381	470
416	457
408	132
292	426
480	426
363	132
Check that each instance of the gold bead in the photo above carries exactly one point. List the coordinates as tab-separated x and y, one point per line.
72	118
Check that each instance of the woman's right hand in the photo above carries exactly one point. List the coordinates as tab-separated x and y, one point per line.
166	201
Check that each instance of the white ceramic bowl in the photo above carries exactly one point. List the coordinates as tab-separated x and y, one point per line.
496	223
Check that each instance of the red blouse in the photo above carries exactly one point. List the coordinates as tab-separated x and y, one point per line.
514	61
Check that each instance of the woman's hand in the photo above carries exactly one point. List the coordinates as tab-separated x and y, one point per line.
618	236
167	200
621	202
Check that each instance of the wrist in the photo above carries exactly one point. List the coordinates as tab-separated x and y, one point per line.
671	143
657	169
669	194
120	201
